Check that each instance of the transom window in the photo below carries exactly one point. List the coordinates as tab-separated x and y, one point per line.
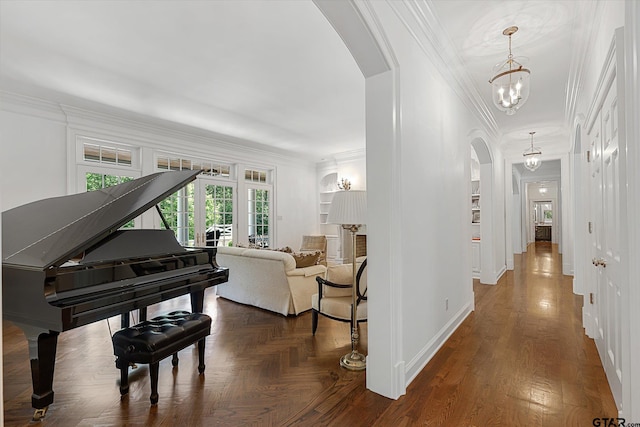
208	168
103	163
107	152
255	176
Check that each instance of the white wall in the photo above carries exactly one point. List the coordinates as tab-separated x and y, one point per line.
297	202
516	217
498	223
426	202
33	153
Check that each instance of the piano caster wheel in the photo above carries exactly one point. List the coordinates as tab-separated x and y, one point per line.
38	414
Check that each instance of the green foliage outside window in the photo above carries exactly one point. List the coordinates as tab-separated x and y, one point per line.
178	210
98	181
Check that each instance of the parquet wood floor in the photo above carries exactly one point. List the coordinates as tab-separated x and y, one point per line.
521	359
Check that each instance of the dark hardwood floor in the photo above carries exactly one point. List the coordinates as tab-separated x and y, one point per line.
521	359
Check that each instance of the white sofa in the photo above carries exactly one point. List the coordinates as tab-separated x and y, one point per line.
268	279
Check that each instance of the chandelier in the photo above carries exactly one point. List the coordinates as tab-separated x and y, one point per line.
532	156
510	83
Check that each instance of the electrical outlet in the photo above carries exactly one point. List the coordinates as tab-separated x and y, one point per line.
446	304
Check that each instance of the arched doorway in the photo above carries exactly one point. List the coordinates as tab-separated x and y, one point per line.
483	228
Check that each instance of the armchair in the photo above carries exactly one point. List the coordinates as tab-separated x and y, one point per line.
334	299
315	244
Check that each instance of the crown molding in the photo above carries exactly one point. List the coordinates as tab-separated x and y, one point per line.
346	156
419	19
165	135
170	132
31	106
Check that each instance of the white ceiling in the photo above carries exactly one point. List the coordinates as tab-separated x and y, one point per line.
551	36
272	72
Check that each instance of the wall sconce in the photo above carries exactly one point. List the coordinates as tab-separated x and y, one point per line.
344	184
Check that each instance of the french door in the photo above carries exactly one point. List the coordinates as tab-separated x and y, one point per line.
215	218
202	213
259	202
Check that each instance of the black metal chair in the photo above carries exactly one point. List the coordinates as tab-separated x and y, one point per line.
334	300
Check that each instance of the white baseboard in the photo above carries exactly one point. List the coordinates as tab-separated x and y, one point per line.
431	348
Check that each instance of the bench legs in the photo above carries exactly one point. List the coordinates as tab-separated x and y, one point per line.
151	341
154	369
201	355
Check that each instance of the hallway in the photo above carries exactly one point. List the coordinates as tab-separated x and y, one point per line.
521	359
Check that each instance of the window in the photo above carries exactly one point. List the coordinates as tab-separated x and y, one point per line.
102	163
200	213
255	176
178	209
208	168
107	153
218	215
97	181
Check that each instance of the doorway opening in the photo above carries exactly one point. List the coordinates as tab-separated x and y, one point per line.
543	220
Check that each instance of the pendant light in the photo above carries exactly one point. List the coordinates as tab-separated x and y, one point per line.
510	83
532	156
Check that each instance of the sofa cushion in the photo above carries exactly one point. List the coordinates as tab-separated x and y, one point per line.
312	270
343	275
306	259
339	307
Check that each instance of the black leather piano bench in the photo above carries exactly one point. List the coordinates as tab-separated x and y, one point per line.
153	340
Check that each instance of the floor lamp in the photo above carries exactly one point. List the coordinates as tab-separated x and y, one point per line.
349	209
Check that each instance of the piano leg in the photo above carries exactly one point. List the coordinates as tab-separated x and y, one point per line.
124	320
125	317
42	353
197	301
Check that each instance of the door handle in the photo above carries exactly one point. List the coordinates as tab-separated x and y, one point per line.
603	263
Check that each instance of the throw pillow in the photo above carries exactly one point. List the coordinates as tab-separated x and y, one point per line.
306	259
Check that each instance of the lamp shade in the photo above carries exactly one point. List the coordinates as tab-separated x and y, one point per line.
348	208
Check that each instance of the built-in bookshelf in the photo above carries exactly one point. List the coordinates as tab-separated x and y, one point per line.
325	204
475	202
328	187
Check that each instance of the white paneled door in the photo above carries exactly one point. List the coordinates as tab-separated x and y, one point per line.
608	243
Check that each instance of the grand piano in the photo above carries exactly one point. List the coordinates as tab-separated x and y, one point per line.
66	263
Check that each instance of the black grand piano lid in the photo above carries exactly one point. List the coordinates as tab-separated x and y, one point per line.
50	231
